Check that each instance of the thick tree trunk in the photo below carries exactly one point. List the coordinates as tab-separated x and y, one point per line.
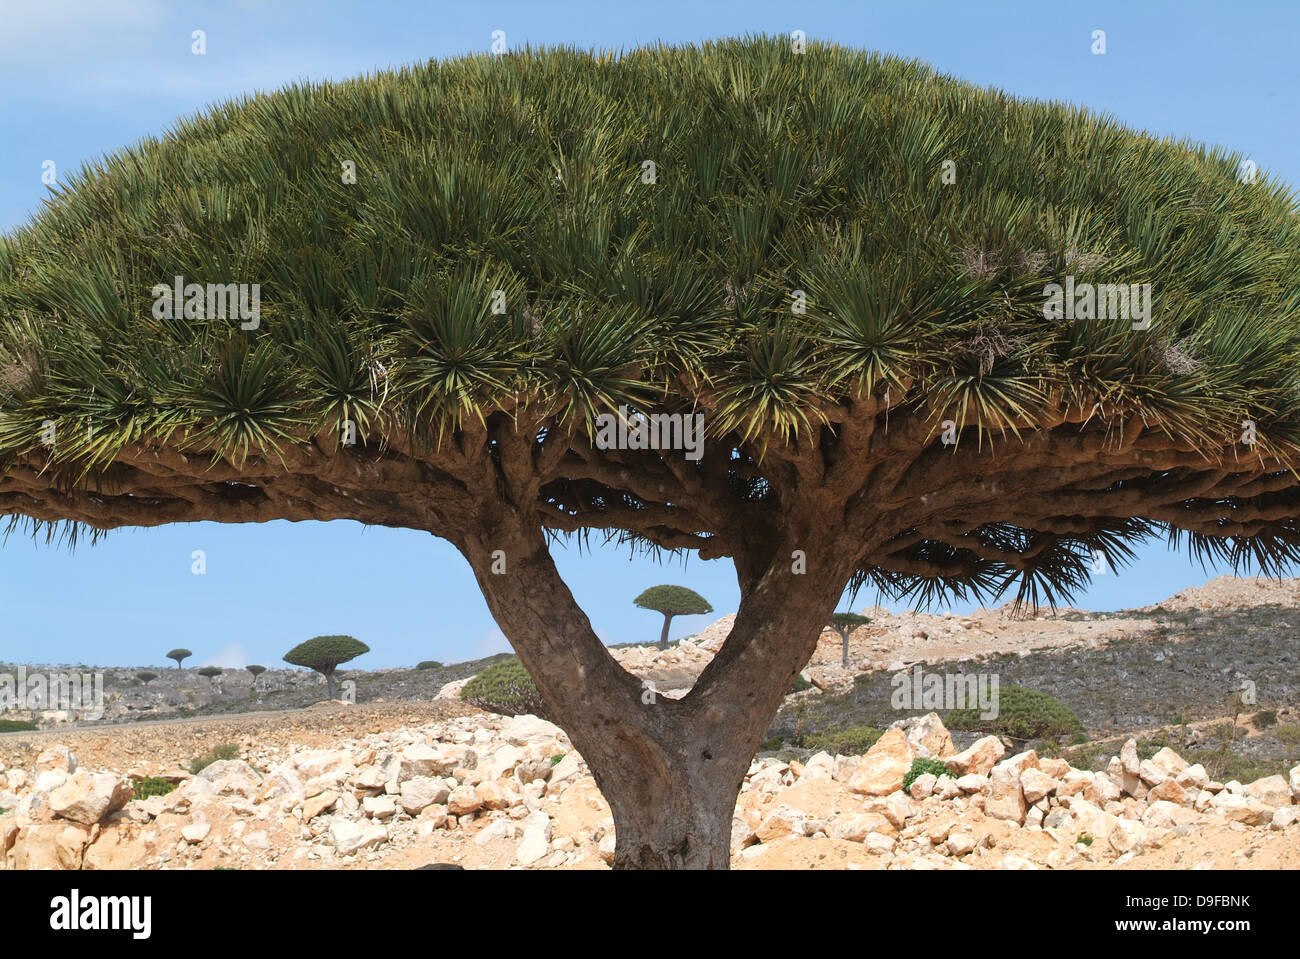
663	633
671	770
844	650
329	680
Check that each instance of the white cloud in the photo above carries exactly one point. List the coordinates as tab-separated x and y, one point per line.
232	656
492	642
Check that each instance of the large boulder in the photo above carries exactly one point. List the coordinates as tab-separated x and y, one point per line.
1237	808
423	791
1164	765
537	839
526	729
282	783
856	828
351	836
1036	784
49	846
1271	791
978	758
927	735
87	798
1006	800
232	777
463	800
314	763
782	821
438	760
884	766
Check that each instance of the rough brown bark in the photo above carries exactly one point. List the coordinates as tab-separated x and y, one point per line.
671	770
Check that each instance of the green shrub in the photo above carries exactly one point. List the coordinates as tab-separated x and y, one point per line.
1022	714
429	664
151	786
555	760
1287	734
920	767
16	726
799	685
146	677
504	688
1265	718
845	739
224	751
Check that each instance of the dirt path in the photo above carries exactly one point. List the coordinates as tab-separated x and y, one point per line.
174	742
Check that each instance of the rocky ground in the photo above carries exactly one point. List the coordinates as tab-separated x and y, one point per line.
484	791
1166	775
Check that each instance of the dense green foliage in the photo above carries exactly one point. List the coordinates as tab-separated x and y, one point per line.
324	653
921	766
1023	714
429	664
151	786
210	672
774	172
256	670
673	601
180	655
846	739
146	677
16	725
504	688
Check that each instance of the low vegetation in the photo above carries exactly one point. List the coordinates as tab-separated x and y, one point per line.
920	767
151	786
1023	715
504	688
216	754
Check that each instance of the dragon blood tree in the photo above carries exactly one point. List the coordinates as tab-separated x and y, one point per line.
893	297
672	601
846	624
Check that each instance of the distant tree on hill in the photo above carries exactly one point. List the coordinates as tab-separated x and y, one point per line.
672	601
210	672
256	671
324	654
429	664
179	655
146	677
845	624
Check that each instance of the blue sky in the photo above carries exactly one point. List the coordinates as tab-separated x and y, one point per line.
82	77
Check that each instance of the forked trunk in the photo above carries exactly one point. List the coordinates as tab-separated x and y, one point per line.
671	770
